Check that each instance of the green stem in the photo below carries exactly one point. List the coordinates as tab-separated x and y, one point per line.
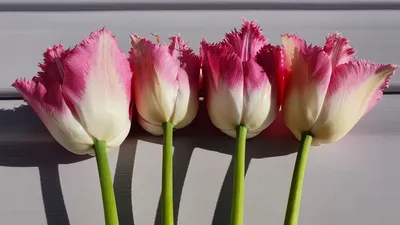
296	188
167	209
238	180
107	190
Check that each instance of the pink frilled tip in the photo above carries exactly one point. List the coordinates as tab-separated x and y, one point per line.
364	70
177	45
94	36
220	64
28	88
305	65
339	49
143	46
296	40
99	51
42	100
246	42
177	50
43	92
336	39
187	59
52	65
233	59
354	74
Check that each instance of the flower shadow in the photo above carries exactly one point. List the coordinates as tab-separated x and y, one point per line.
25	142
32	146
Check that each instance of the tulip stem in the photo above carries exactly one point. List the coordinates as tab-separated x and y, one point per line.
167	209
296	188
107	190
238	179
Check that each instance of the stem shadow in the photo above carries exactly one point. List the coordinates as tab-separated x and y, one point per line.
181	159
54	206
275	141
123	181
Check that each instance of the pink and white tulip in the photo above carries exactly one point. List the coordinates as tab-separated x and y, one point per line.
83	94
326	89
241	80
165	83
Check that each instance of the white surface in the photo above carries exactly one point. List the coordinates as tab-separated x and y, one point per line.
353	181
25	35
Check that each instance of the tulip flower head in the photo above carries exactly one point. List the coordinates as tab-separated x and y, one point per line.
83	94
241	80
326	89
165	83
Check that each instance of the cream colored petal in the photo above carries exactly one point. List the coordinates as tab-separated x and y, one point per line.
225	107
348	98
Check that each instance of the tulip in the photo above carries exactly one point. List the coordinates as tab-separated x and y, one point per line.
166	93
241	81
83	96
326	92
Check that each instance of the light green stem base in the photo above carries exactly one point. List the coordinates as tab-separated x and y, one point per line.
296	188
167	209
238	180
107	190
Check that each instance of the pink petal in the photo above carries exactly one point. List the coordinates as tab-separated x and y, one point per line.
254	76
379	92
305	66
97	81
293	45
305	87
85	60
155	80
355	73
223	83
53	111
351	75
246	42
338	48
41	100
147	57
154	129
187	60
166	82
355	88
272	60
52	66
221	65
260	100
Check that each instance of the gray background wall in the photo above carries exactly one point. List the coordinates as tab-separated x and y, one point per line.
354	181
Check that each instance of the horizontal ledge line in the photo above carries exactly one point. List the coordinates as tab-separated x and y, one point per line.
14	95
65	7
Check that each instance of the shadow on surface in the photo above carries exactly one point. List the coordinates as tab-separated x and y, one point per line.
123	181
183	150
273	142
45	155
25	142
